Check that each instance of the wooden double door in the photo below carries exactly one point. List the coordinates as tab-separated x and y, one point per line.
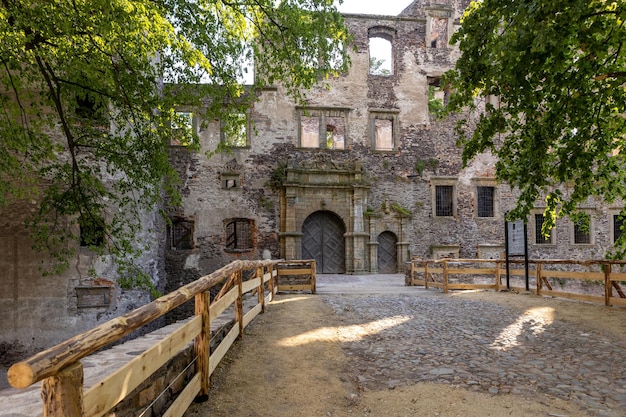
323	240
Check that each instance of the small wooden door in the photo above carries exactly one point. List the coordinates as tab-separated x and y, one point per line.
387	253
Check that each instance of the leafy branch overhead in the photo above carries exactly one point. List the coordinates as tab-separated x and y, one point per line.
553	77
89	92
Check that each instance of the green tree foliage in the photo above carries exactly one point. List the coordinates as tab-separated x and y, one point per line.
377	67
89	92
559	71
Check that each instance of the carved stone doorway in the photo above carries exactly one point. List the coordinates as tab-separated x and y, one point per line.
323	240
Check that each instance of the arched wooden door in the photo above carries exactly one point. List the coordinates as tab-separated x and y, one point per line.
387	253
323	240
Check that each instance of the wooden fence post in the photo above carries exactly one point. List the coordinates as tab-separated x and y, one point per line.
445	277
202	343
260	273
271	281
539	278
313	277
62	393
239	303
608	286
426	274
497	276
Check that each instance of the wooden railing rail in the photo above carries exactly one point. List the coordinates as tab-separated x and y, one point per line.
61	371
436	273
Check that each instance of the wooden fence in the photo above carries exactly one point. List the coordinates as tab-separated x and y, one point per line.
61	372
605	275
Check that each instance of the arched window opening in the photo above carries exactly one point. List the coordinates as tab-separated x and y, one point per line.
381	56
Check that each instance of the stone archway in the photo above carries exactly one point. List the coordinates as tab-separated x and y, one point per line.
323	240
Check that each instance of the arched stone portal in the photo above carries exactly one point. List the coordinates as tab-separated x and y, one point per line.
322	185
323	240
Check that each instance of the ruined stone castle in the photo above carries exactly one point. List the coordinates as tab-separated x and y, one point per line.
361	178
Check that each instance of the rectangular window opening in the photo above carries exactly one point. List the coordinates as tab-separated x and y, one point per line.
239	235
540	239
617	227
444	200
383	134
485	201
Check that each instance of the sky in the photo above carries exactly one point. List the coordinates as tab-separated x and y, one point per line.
383	7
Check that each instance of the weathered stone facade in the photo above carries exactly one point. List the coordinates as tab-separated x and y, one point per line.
326	165
362	178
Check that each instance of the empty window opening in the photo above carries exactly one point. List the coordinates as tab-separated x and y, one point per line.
183	131
323	128
444	200
540	239
383	134
437	96
181	234
485	201
239	235
235	131
91	231
230	181
438	33
310	132
618	223
335	133
381	56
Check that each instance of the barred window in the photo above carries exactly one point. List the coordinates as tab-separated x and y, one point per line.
239	234
444	200
582	232
485	201
617	227
181	234
540	239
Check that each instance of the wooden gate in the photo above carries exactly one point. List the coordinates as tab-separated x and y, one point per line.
323	240
387	253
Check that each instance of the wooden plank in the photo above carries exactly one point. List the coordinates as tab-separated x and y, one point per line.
294	271
222	348
474	271
303	287
590	276
618	301
250	285
108	392
219	306
574	296
267	276
618	276
62	394
184	399
519	272
471	286
251	314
